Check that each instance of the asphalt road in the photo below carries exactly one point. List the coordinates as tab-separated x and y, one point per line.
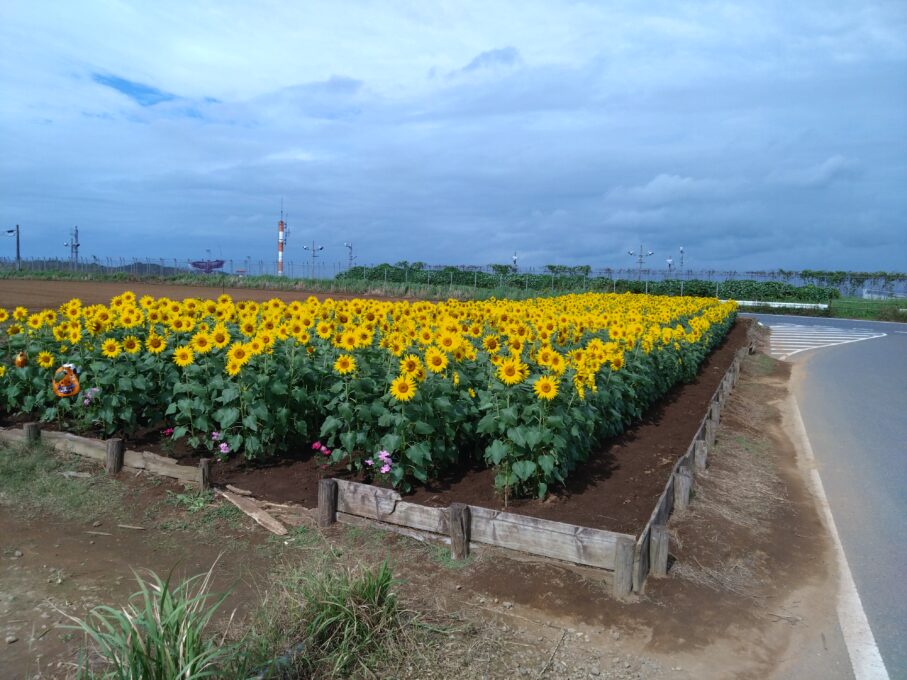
853	399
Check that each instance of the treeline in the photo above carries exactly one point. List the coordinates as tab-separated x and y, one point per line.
577	279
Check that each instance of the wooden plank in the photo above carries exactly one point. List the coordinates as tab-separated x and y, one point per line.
459	523
424	536
700	455
567	542
641	560
327	502
683	483
12	436
160	465
252	509
204	474
114	462
623	567
82	446
660	542
32	432
385	505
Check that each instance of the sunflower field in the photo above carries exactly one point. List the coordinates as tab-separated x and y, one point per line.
399	392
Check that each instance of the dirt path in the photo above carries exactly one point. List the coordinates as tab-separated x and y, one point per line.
748	589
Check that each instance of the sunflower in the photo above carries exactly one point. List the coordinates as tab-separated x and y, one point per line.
45	359
545	388
201	343
155	344
491	343
345	364
220	336
183	356
511	371
4	315
233	367
2	371
14	329
435	359
239	353
410	364
132	344
110	348
403	388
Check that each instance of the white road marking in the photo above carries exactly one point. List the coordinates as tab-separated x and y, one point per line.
788	339
865	657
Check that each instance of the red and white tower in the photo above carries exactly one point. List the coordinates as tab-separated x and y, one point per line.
281	240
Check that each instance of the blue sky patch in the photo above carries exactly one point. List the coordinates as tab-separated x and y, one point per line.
141	94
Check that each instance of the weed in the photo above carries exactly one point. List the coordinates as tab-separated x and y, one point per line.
191	501
440	554
160	634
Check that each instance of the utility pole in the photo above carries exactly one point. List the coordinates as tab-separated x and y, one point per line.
73	246
640	256
18	254
314	252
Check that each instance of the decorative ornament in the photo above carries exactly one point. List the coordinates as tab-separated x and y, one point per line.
65	382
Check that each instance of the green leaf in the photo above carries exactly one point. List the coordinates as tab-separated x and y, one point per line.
250	423
488	424
278	388
227	416
542	489
330	425
546	462
418	455
524	469
348	441
390	442
518	436
422	427
496	452
124	384
179	432
229	395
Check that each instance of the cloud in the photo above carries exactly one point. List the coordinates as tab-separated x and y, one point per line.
141	94
666	188
832	169
504	57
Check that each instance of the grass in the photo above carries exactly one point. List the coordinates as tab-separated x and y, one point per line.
31	480
328	622
159	635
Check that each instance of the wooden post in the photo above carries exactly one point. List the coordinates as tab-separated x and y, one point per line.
659	542
715	412
32	432
204	474
710	432
700	454
623	567
458	525
683	483
114	456
327	502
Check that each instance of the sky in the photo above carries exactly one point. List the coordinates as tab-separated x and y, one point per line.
756	135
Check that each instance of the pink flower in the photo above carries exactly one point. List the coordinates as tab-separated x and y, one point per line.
224	448
316	446
369	462
325	450
384	456
216	436
385	469
168	432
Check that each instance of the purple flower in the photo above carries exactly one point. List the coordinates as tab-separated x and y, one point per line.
224	448
86	402
369	462
216	436
385	469
384	456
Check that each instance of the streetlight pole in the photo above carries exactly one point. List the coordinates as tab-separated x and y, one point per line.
349	247
681	271
641	256
18	254
314	252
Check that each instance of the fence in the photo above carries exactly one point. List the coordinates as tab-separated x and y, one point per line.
880	285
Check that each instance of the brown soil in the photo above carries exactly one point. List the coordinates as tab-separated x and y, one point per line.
38	294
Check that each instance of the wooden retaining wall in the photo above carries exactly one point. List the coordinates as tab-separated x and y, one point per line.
110	452
653	539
